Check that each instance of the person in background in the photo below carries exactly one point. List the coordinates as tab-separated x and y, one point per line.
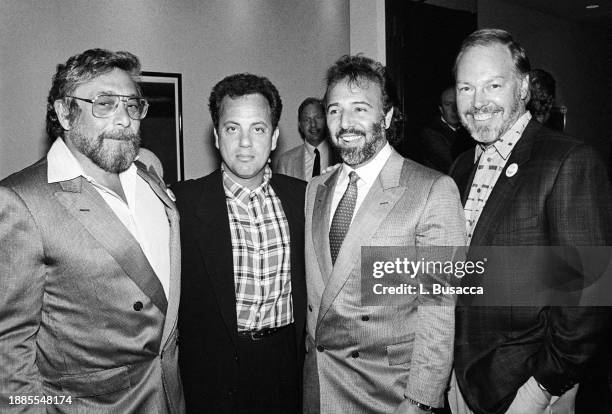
315	154
445	138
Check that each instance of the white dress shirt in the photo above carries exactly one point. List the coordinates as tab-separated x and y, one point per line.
309	156
144	214
367	173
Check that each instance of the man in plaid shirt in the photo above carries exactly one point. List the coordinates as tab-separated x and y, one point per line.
242	235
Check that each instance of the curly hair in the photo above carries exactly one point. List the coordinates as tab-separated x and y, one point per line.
358	68
79	69
242	84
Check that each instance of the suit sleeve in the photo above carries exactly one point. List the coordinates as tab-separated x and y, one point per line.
442	224
22	276
578	211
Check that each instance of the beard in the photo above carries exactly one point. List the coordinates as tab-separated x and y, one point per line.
113	152
357	155
487	133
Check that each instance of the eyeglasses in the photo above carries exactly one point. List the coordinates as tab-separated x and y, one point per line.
103	106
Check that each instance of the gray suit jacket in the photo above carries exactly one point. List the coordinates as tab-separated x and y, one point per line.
291	163
82	313
367	359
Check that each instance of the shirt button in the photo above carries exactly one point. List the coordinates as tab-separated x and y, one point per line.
138	306
261	252
320	348
365	318
355	354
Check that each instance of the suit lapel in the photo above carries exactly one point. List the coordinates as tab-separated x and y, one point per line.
320	228
299	164
87	206
174	293
504	188
379	201
216	251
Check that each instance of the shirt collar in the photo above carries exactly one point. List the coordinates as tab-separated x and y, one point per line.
447	124
62	165
508	141
310	148
369	171
237	191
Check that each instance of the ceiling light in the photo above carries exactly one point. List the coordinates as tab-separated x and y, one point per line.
592	6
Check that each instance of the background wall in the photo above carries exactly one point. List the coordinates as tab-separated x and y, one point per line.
292	42
578	56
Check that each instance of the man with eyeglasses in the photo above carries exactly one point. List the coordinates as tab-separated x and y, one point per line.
89	257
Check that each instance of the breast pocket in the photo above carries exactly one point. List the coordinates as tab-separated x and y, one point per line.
96	383
516	224
400	353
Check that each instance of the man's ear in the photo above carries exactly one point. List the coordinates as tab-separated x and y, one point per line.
388	118
525	88
274	139
63	113
216	138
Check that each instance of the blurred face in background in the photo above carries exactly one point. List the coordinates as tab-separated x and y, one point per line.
448	107
312	124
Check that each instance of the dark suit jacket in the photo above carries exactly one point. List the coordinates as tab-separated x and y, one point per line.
440	145
207	316
559	196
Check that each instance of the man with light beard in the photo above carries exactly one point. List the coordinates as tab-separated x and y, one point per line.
524	186
393	358
89	257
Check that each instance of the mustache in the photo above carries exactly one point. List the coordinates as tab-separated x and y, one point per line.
121	136
349	131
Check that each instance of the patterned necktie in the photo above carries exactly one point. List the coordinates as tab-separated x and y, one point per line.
343	216
316	168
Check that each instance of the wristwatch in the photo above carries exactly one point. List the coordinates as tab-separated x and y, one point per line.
420	405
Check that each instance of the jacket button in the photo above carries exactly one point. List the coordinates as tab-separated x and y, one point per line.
365	318
355	354
310	308
320	348
138	306
236	357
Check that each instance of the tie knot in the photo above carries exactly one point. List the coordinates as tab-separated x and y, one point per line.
353	177
316	151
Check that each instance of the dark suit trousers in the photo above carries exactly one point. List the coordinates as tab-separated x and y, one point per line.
268	370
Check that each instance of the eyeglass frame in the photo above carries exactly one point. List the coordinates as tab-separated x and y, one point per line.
122	98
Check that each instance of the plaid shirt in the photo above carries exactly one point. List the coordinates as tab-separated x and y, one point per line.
260	248
491	161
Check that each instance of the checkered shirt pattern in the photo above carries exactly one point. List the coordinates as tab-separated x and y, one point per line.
343	216
261	255
491	162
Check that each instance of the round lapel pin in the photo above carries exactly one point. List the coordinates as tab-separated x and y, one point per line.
511	170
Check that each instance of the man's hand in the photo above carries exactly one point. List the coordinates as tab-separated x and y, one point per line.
406	407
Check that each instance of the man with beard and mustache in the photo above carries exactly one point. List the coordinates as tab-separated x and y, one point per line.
89	257
524	185
396	357
315	155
